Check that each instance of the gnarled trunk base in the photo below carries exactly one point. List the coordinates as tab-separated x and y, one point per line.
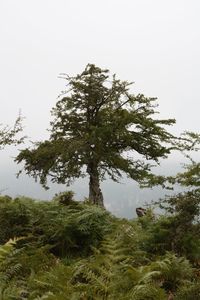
95	193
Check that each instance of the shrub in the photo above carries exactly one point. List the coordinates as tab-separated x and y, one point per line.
65	198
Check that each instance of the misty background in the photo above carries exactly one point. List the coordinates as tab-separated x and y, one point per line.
154	43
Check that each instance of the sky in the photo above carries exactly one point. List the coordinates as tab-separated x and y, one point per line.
154	43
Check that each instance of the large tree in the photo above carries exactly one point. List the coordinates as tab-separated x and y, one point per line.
100	129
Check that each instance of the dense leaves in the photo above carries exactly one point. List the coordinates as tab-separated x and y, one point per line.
66	229
78	251
100	129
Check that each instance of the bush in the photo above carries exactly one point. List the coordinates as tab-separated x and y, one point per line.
15	218
67	229
65	198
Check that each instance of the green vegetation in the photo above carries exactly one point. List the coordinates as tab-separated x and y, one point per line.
63	249
71	250
96	121
8	134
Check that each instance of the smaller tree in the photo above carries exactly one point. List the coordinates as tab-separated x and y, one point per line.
180	229
8	134
65	198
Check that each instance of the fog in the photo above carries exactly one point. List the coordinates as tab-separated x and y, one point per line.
153	43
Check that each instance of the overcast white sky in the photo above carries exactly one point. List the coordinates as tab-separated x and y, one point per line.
154	43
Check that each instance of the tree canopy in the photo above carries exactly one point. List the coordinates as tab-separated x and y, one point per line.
100	129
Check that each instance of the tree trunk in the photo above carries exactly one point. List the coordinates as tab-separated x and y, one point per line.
95	194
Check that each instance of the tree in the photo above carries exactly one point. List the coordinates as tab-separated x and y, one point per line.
8	134
179	230
100	129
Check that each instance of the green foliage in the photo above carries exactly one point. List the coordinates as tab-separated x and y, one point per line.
53	284
185	206
8	135
191	176
65	198
64	249
179	229
174	271
95	122
159	235
9	268
190	291
66	229
79	251
14	218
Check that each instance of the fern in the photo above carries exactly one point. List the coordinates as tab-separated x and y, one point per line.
53	284
99	276
9	270
174	271
9	267
7	248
